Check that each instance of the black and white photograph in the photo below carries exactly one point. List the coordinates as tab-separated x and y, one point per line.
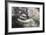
25	17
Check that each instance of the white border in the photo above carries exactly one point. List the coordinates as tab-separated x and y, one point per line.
10	29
